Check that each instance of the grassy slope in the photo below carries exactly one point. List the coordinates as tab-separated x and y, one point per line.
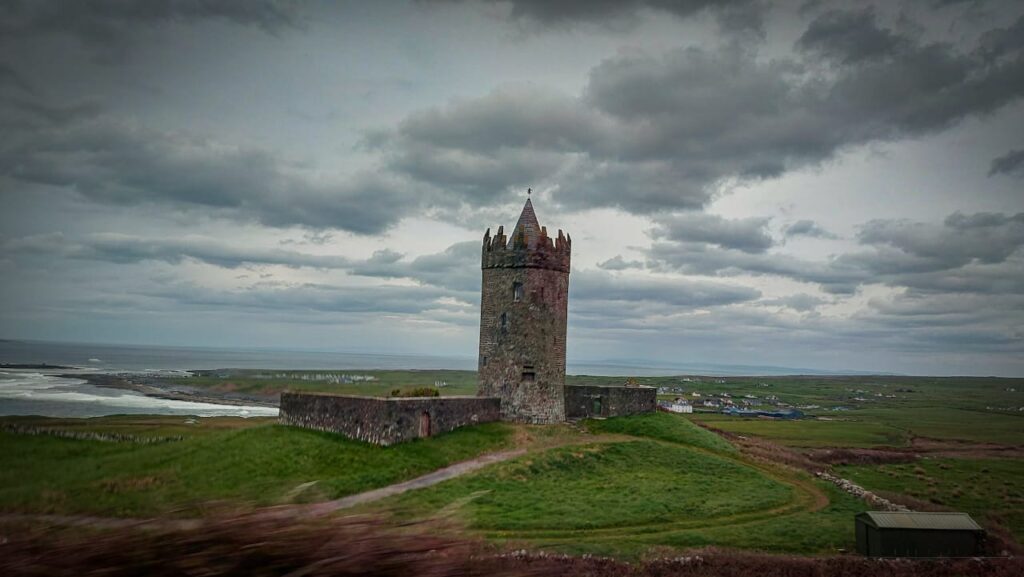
685	487
604	485
663	427
257	465
982	487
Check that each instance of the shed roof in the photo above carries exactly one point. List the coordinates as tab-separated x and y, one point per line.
917	520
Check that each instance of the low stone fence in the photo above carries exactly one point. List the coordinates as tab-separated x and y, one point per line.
385	420
584	401
87	435
861	493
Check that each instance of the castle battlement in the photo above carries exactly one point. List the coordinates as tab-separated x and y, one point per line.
529	246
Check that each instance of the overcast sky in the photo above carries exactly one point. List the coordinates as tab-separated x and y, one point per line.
832	185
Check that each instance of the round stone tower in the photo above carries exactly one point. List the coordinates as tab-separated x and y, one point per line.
523	310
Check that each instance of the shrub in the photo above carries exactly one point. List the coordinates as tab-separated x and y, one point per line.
416	392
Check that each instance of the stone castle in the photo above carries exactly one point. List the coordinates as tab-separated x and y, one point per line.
524	302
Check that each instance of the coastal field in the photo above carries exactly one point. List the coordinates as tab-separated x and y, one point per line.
623	486
373	383
841	411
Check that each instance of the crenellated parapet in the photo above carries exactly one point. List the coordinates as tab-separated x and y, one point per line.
527	249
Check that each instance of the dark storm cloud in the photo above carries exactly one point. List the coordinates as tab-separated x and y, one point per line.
808	228
456	268
965	253
1001	41
124	164
1010	163
651	133
744	234
602	286
850	37
705	259
305	298
480	148
125	249
985	237
108	26
11	77
731	14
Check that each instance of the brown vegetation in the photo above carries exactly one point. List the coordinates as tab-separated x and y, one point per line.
847	456
264	545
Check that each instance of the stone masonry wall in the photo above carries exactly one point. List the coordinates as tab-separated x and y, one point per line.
523	361
385	421
583	401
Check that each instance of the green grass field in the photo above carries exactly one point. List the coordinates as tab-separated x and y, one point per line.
985	488
663	427
621	486
640	483
245	381
842	432
676	485
894	410
249	466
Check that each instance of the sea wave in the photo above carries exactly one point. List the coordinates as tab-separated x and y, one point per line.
35	393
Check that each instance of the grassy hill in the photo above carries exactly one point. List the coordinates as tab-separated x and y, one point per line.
242	467
660	481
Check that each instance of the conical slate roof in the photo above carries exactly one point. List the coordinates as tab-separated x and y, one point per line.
527	225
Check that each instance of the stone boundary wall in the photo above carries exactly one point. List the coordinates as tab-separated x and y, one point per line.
385	420
585	401
87	435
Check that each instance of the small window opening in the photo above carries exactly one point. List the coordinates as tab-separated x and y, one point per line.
529	375
484	361
504	321
517	291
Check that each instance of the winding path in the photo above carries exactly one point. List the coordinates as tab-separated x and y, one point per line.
433	478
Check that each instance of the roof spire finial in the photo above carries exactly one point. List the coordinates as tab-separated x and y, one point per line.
528	191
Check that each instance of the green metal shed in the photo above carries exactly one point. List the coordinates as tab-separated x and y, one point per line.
913	534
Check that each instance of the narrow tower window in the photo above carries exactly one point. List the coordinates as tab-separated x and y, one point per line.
529	375
504	321
517	291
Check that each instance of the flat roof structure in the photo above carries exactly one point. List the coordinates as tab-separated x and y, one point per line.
920	520
917	534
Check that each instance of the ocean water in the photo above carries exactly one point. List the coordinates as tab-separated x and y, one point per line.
139	358
26	392
41	392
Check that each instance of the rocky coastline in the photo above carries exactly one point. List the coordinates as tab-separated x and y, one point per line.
155	386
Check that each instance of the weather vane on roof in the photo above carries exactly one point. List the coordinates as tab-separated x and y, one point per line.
528	191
